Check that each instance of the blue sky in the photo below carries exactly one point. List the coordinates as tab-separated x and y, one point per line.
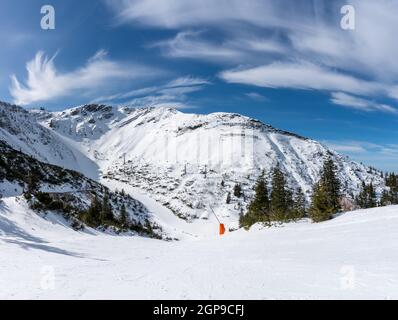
287	63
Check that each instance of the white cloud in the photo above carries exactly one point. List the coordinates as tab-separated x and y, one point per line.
183	13
346	100
300	75
313	27
188	44
308	76
46	83
307	31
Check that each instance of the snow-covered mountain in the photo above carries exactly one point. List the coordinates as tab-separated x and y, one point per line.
20	129
190	162
48	188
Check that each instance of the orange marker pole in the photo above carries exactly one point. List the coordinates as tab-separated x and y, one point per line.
222	226
222	229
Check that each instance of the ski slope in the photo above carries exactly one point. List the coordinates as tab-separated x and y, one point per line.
353	256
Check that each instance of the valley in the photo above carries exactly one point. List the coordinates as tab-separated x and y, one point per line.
170	168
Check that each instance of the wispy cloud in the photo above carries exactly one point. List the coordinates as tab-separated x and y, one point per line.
299	75
312	27
45	83
347	147
173	93
194	45
188	44
187	81
378	155
182	13
269	37
350	101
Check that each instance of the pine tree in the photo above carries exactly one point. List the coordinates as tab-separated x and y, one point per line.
362	198
228	200
289	201
372	196
94	212
279	196
367	198
331	184
391	181
385	199
320	209
123	215
326	194
258	210
260	204
31	183
106	212
299	206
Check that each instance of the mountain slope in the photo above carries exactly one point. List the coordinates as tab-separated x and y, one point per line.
20	129
49	188
190	162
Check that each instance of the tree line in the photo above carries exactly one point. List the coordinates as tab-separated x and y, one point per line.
280	204
367	198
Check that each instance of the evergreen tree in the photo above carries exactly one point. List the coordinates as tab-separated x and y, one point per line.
367	197
331	184
280	198
260	204
123	215
290	202
299	206
320	209
94	212
362	198
258	210
391	181
106	212
228	200
326	194
372	196
385	199
31	183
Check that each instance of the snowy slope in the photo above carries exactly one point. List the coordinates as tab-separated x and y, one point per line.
51	189
353	256
20	129
182	159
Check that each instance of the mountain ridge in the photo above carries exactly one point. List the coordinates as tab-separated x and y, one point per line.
183	159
